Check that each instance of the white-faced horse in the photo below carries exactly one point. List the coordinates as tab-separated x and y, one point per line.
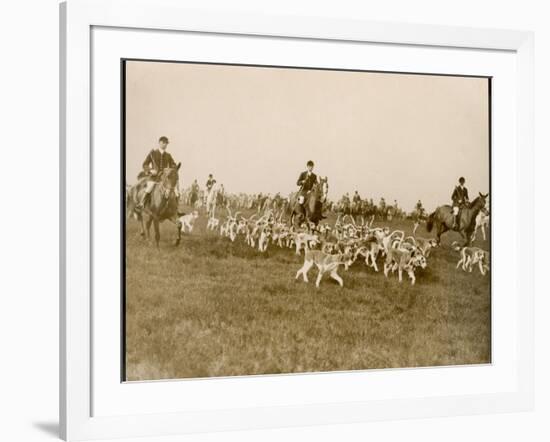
211	201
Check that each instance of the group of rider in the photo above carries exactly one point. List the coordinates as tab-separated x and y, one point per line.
159	159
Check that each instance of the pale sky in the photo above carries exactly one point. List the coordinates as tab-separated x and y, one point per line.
398	136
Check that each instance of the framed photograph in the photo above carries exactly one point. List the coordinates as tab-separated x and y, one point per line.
273	221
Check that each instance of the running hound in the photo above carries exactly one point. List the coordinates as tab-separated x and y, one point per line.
325	263
187	222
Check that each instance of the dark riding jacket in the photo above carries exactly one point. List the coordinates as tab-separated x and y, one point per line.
159	161
460	196
306	182
210	183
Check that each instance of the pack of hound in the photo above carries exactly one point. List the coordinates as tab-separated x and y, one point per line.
329	247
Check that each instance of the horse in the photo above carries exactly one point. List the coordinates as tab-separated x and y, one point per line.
161	205
211	201
194	195
443	217
313	204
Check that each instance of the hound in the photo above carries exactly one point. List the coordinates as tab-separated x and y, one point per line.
391	241
240	227
188	221
305	240
425	245
249	228
325	229
279	233
325	263
329	247
263	241
370	250
470	256
380	233
252	234
349	245
229	226
401	259
212	223
225	228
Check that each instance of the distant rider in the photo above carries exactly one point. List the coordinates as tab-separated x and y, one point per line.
419	210
210	183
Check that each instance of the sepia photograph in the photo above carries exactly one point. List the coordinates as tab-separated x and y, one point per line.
285	220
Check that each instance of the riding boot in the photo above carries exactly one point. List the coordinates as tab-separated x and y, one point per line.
455	222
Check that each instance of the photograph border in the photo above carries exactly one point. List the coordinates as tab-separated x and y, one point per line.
124	219
77	17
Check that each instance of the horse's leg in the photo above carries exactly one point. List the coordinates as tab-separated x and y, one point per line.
156	226
147	225
178	228
141	225
468	236
439	232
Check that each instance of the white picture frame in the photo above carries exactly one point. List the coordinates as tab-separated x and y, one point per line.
78	379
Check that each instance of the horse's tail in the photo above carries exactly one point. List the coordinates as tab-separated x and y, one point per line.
430	222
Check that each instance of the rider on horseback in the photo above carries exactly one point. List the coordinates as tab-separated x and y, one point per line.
356	200
460	200
210	183
155	162
419	210
306	181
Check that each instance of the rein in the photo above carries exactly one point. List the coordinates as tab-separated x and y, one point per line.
165	191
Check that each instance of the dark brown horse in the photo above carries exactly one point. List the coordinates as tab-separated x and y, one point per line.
443	216
312	210
161	205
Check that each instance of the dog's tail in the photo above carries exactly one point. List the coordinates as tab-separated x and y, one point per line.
430	222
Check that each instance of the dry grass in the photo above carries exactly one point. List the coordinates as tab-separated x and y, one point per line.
215	308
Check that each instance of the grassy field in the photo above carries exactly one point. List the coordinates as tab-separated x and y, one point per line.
215	308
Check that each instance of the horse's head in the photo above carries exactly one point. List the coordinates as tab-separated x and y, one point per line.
480	202
323	189
170	177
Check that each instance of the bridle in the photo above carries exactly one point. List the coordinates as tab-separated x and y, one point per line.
165	190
